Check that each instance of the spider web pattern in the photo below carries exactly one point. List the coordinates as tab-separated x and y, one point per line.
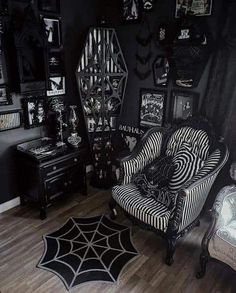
87	249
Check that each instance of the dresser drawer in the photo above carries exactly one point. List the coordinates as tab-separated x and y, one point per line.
57	166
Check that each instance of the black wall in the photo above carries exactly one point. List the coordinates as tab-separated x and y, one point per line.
77	17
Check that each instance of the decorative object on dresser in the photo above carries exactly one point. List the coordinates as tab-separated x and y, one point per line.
184	104
74	139
152	107
219	242
31	45
98	251
47	171
101	76
170	206
10	120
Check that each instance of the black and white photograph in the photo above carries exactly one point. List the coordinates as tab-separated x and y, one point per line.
161	70
5	96
10	120
131	10
34	111
184	104
53	31
152	107
55	63
50	6
56	86
193	7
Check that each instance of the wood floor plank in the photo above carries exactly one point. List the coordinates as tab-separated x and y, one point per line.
21	247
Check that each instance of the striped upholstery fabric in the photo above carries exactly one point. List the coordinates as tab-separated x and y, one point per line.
197	193
150	150
187	165
197	138
146	210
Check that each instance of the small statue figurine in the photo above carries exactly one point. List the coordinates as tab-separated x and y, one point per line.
73	139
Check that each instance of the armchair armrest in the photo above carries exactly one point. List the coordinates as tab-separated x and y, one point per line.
145	151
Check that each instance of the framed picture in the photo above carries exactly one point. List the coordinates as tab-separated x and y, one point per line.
51	6
56	86
34	111
52	27
184	104
130	136
55	63
131	10
5	97
152	107
10	120
3	68
193	7
161	70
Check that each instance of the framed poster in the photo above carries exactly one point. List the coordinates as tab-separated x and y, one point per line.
131	10
51	6
184	104
5	97
161	70
193	7
152	107
10	120
56	86
34	111
52	27
55	63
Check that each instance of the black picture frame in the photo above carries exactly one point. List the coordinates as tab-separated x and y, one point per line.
184	104
34	110
10	120
49	6
161	71
56	86
131	11
56	62
193	8
152	103
3	68
5	96
52	27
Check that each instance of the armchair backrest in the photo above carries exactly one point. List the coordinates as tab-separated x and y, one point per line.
197	139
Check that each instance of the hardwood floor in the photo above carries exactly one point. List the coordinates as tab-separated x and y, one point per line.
21	247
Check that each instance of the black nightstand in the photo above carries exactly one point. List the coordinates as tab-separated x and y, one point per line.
45	178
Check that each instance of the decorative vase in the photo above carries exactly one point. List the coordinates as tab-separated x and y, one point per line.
74	139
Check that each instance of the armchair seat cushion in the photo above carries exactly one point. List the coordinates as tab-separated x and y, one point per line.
147	210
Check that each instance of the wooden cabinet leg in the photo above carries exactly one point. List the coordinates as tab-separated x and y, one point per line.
43	213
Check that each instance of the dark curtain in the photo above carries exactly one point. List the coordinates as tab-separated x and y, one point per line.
219	105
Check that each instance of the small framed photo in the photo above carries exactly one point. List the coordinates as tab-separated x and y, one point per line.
131	10
50	6
193	7
52	27
184	104
55	63
10	120
152	107
5	97
34	109
3	68
161	70
56	86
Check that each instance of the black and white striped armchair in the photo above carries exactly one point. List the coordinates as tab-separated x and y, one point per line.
189	196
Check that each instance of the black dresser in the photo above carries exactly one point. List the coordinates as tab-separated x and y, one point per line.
47	173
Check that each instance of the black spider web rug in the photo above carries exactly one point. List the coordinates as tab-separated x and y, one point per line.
87	249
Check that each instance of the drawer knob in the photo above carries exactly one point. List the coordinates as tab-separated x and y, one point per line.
75	160
54	168
65	184
70	182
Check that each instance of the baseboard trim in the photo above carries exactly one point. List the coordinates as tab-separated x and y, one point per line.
16	201
9	204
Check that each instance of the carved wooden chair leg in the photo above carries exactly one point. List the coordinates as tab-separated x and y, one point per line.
112	205
203	263
171	244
